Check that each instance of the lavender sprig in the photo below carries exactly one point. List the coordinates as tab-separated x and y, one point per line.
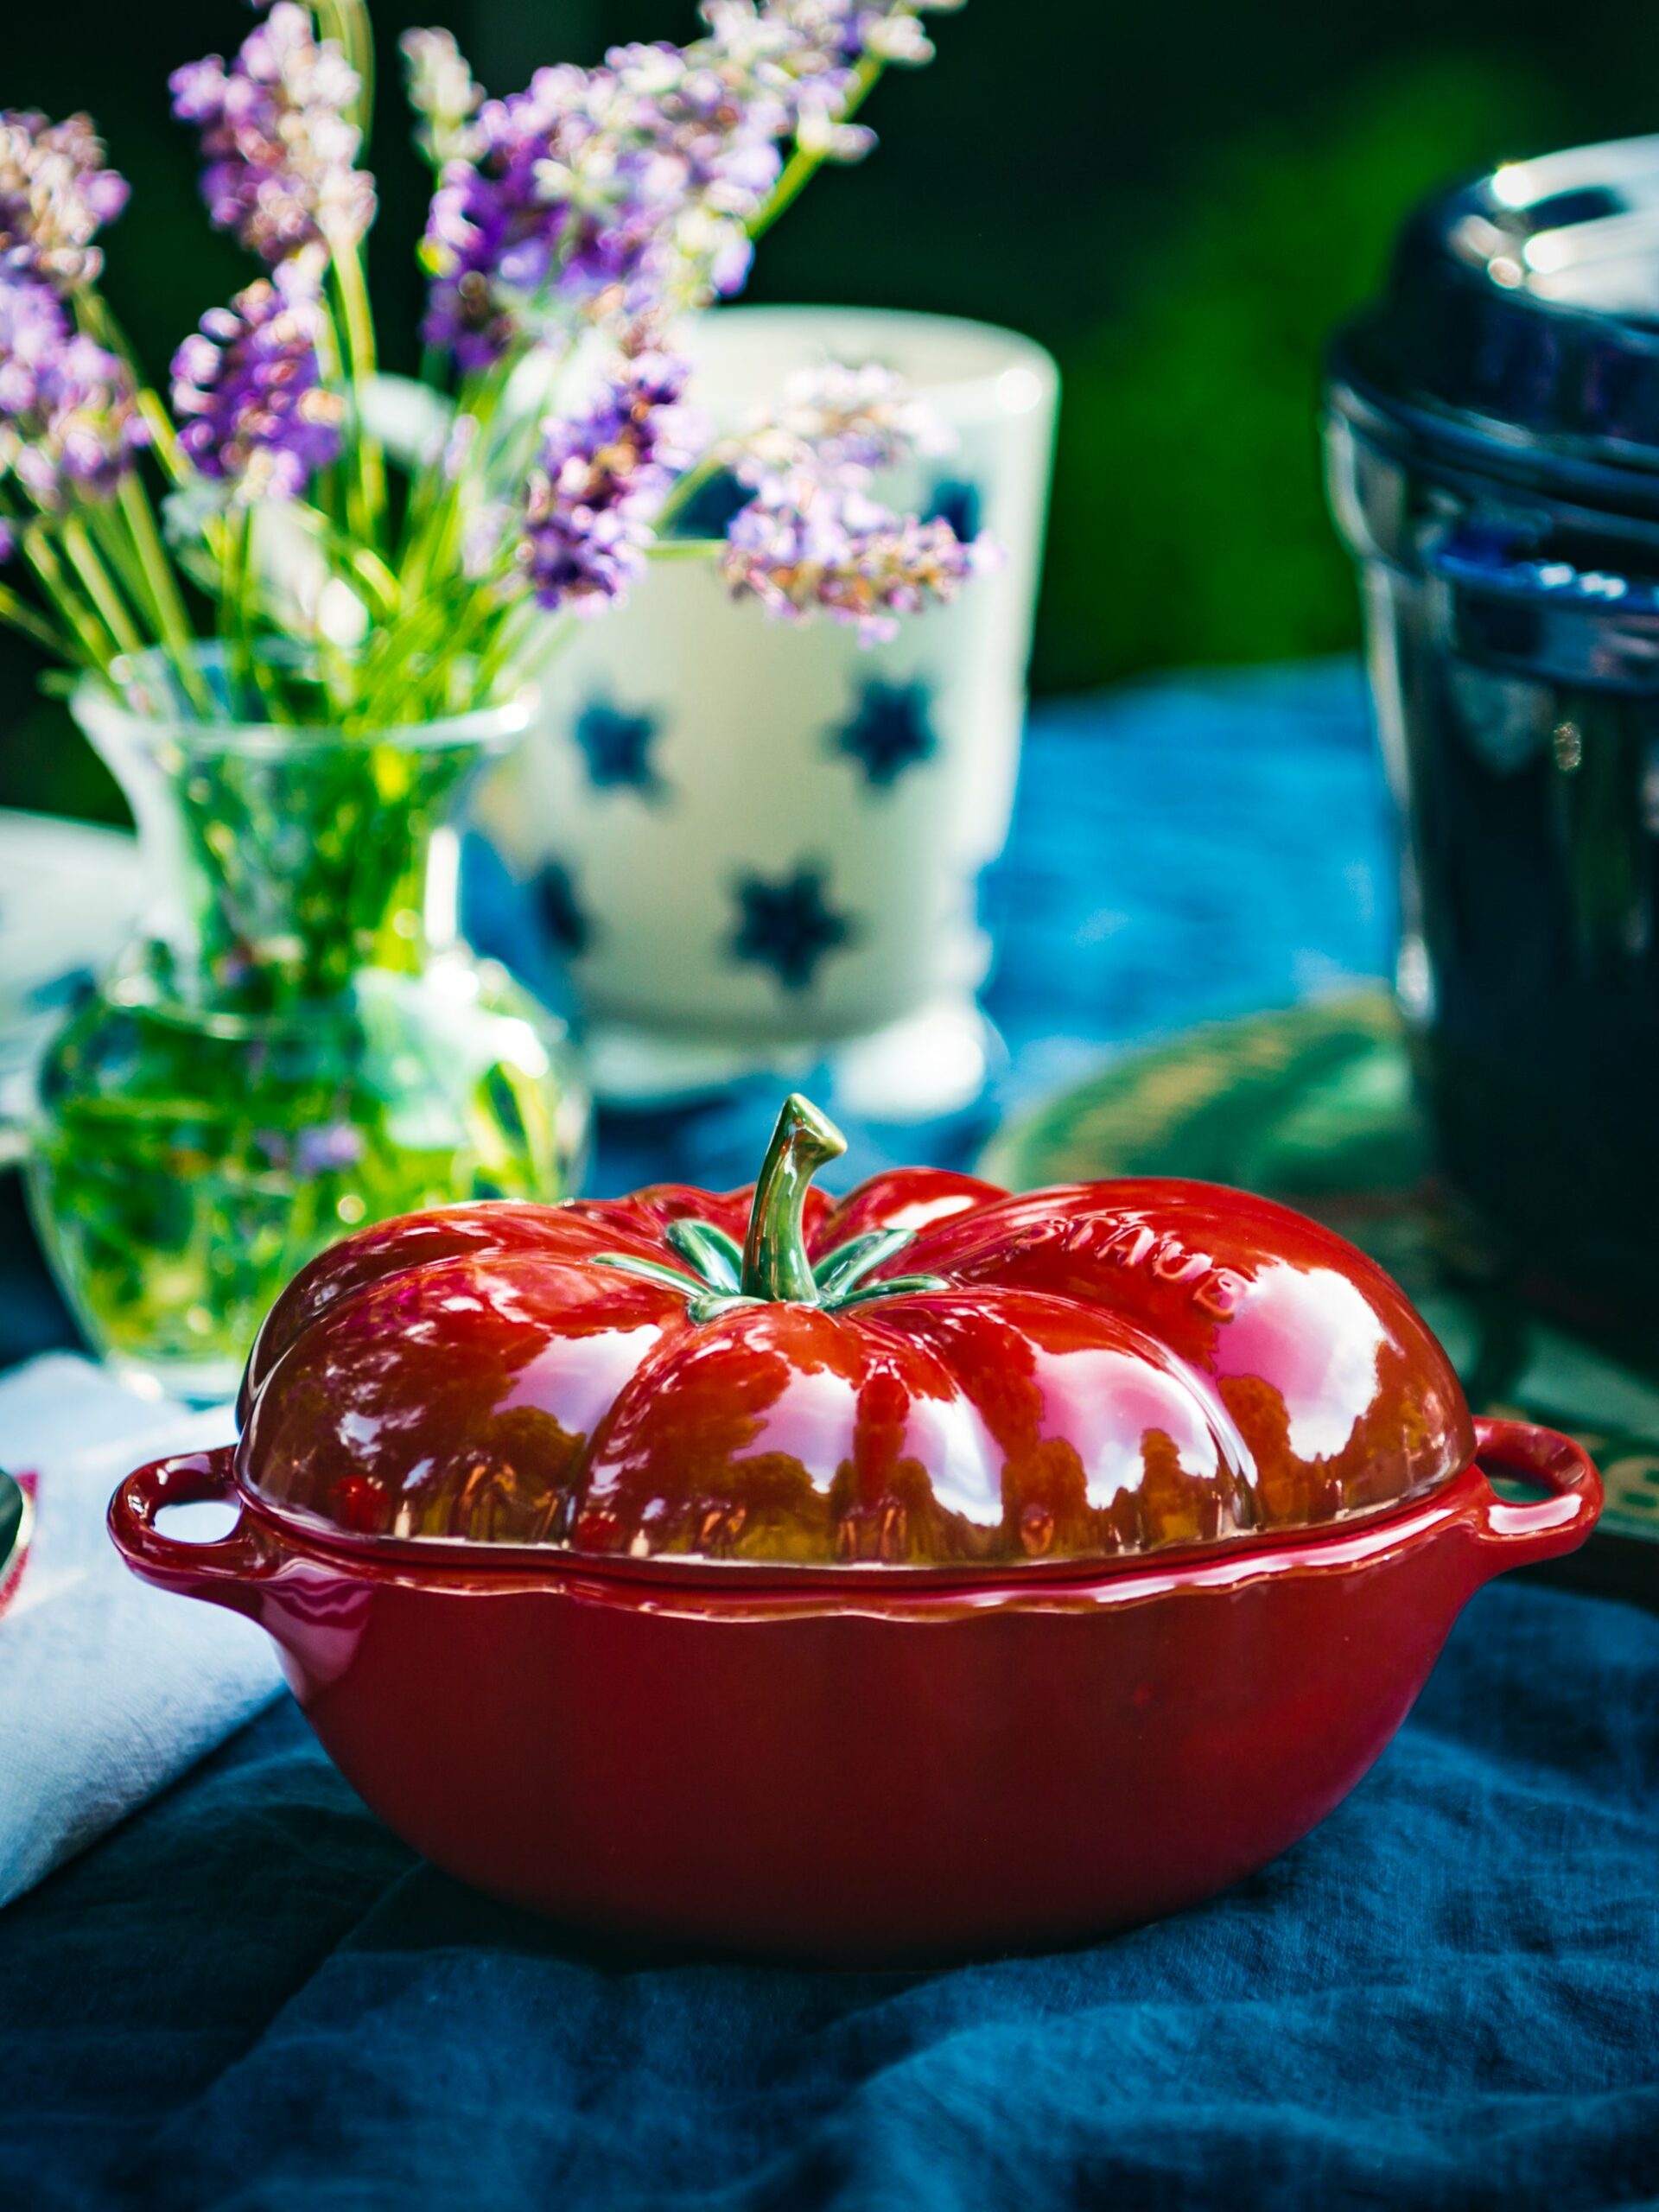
55	196
597	484
586	193
635	189
443	96
281	148
818	49
616	197
257	418
814	538
802	547
69	424
838	423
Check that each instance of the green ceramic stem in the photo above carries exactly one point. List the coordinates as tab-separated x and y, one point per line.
772	1267
775	1264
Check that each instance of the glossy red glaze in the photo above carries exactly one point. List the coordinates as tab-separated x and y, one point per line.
905	1770
1094	1372
14	1555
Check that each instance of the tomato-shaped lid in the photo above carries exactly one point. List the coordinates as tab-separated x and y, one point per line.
930	1373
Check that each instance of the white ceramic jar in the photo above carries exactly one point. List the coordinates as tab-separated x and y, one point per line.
758	842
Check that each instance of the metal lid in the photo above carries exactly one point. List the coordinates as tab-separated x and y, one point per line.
1521	318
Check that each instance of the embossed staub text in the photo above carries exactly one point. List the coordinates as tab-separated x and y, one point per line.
1217	1290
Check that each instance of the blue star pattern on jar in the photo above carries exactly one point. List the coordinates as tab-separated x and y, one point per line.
788	925
890	733
616	747
712	506
957	503
562	913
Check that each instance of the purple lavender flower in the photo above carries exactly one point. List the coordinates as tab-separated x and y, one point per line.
279	145
325	1147
828	35
490	240
811	545
33	330
838	423
443	96
812	537
55	196
8	543
250	391
630	190
593	191
810	51
598	482
69	424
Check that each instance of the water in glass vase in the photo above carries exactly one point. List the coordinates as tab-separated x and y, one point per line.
301	1044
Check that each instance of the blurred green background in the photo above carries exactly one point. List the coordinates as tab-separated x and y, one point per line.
1180	201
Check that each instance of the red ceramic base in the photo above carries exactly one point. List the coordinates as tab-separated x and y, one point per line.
896	1771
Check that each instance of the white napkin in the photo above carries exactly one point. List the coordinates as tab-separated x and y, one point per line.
108	1690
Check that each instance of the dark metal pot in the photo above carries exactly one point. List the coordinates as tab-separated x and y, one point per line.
1492	435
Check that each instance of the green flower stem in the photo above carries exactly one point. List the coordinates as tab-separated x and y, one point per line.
802	166
161	587
686	549
775	1263
494	642
115	546
438	501
335	668
233	592
427	522
431	486
425	571
347	21
347	262
434	557
430	507
22	616
41	556
164	441
266	675
93	312
353	562
516	645
423	629
99	585
331	368
232	554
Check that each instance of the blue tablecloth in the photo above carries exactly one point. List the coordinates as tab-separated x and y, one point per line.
252	1997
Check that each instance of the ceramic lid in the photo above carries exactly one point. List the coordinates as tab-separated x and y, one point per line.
930	1373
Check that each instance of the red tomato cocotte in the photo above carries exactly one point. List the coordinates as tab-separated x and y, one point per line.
931	1573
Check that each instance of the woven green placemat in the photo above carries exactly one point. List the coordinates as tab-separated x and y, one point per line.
1314	1105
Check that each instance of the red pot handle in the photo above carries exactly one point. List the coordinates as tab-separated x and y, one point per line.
226	1571
1538	1527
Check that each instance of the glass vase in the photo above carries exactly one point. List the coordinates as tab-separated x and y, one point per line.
300	1043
